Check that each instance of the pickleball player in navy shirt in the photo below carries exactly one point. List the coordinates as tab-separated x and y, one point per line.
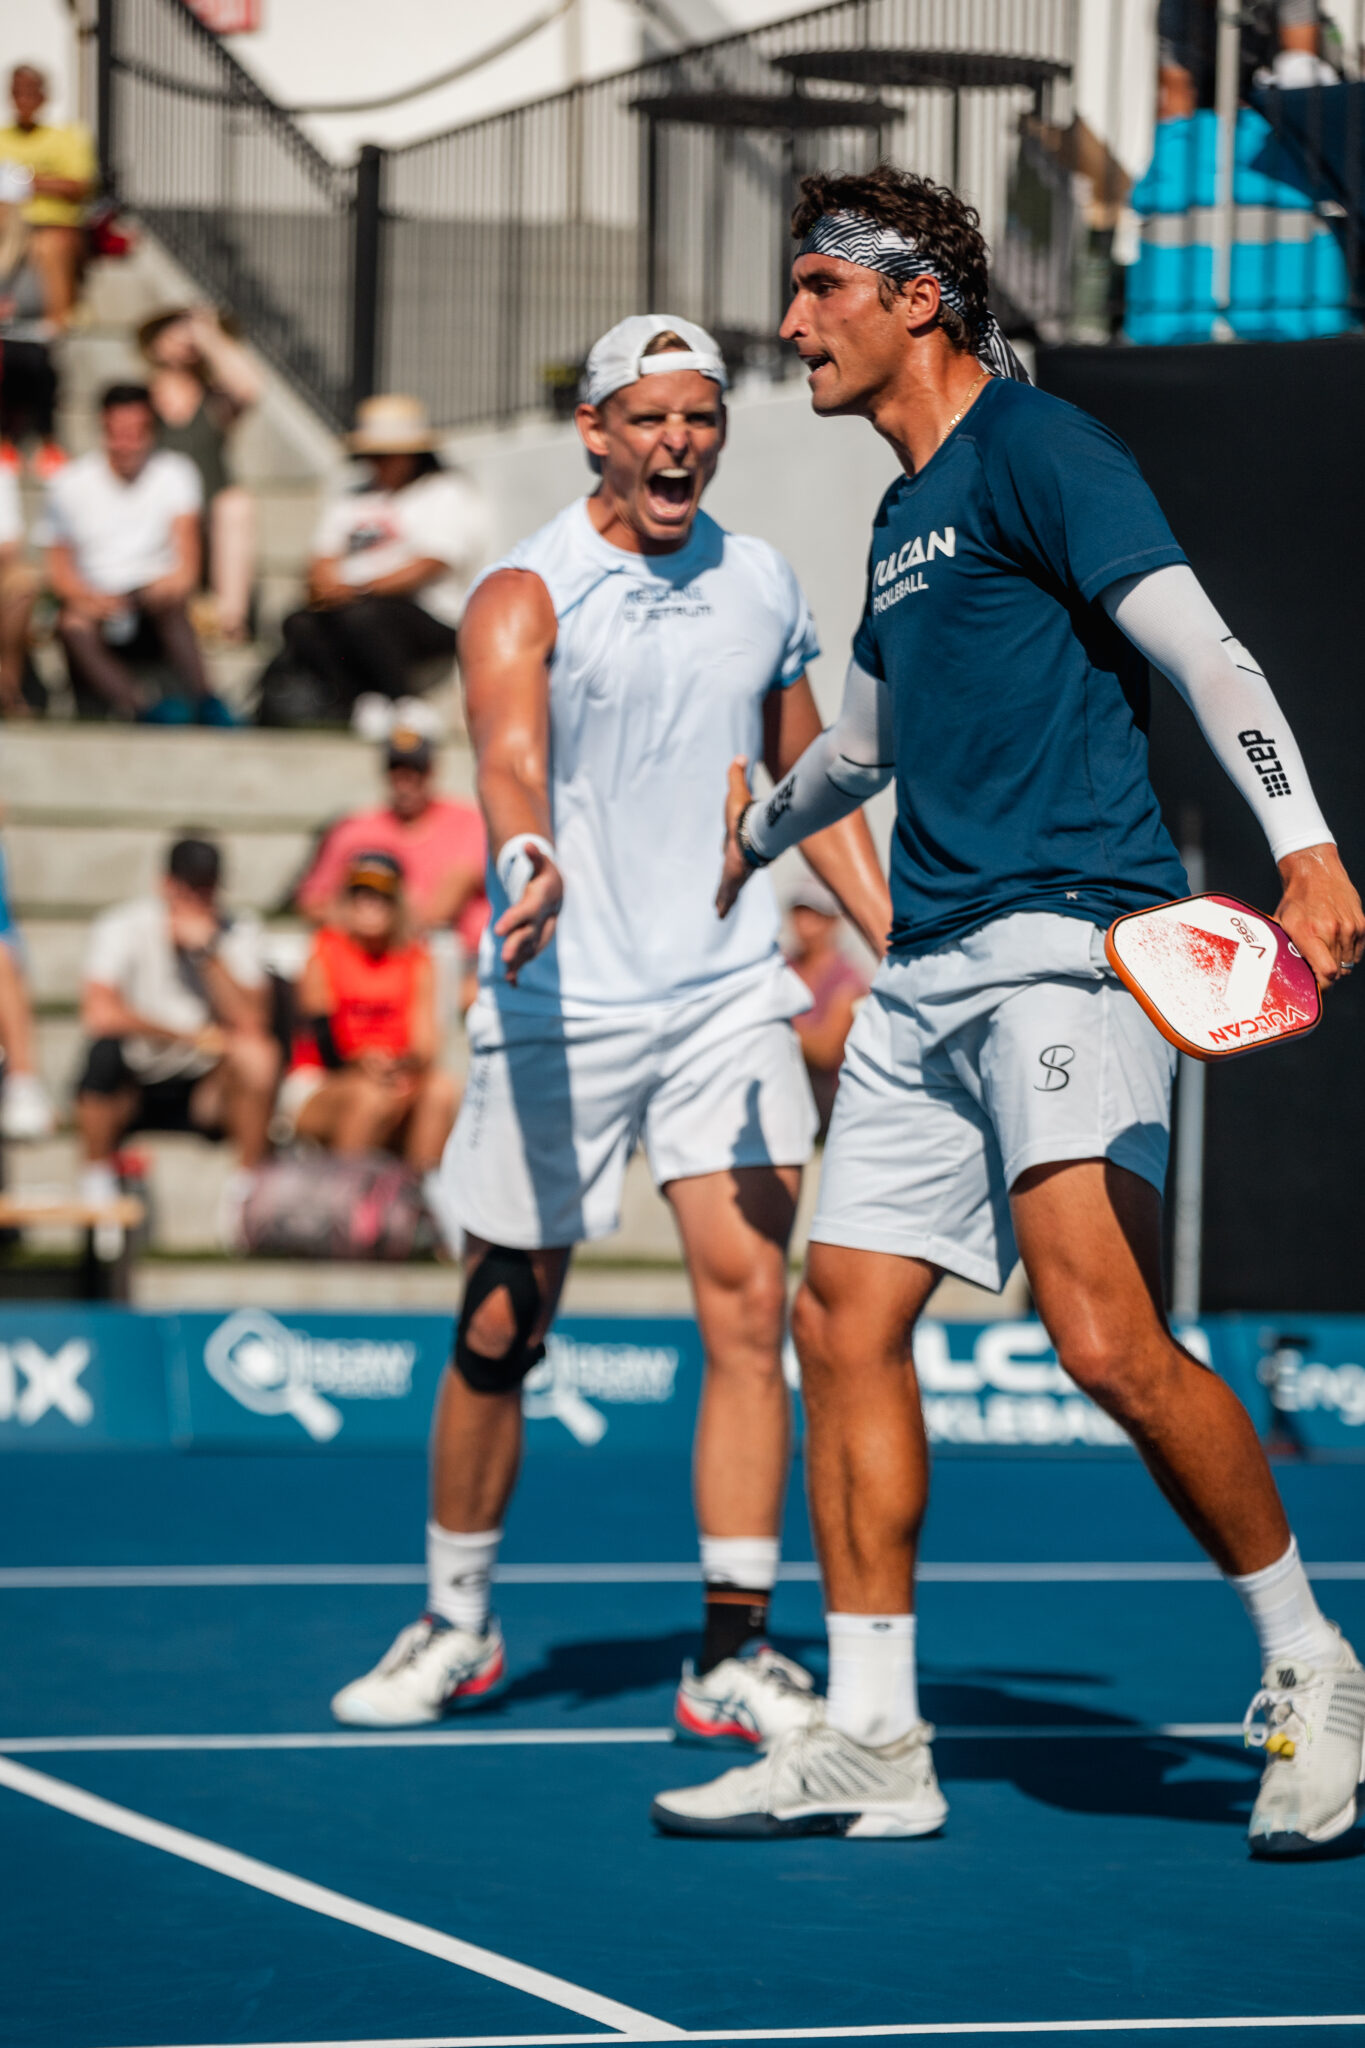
1002	1094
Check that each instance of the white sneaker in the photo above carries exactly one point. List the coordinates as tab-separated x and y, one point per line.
745	1701
99	1185
372	716
1312	1729
25	1108
431	1670
418	716
232	1201
816	1781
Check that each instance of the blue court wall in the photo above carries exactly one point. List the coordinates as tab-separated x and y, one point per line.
90	1378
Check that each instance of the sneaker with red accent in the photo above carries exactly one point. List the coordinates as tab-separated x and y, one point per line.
745	1701
431	1670
46	461
10	458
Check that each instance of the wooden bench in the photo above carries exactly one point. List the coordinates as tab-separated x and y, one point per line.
104	1269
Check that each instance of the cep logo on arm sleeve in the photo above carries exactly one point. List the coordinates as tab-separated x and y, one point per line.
1260	750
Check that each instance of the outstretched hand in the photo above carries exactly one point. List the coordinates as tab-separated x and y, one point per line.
1321	912
735	870
529	925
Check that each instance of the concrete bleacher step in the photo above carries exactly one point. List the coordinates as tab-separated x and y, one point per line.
149	773
90	866
292	1285
187	1177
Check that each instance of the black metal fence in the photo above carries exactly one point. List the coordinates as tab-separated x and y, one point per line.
511	243
260	218
475	268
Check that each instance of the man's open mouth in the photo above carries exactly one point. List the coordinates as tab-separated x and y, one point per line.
813	363
669	491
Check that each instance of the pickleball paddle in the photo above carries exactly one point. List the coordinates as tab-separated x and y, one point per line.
1216	977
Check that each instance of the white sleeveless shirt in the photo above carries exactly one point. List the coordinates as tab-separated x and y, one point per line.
660	669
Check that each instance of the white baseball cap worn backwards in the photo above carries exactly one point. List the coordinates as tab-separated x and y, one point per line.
619	358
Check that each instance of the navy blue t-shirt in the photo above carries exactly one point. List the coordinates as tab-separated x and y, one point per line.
1019	709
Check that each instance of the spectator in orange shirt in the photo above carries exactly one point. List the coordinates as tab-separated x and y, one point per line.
364	1076
440	846
835	984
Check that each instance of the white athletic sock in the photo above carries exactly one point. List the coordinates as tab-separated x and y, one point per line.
872	1693
749	1562
1288	1622
459	1569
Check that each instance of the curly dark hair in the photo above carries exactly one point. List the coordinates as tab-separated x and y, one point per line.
944	226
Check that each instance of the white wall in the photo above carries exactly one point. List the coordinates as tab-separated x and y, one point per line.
297	63
40	32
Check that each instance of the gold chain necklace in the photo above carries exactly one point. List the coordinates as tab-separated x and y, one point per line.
965	403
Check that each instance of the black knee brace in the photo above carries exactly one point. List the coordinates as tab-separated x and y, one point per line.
513	1270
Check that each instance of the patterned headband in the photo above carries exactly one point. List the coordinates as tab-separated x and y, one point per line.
859	239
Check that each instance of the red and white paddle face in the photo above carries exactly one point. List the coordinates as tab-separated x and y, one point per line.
1216	977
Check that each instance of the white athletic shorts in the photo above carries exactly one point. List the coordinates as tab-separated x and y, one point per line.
553	1109
1013	1048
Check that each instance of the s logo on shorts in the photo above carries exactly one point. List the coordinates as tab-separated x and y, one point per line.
1054	1060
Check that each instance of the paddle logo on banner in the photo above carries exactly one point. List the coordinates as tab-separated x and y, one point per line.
1216	977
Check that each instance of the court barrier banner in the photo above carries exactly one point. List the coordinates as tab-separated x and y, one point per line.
72	1378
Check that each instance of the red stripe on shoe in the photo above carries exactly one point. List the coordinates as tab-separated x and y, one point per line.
695	1725
472	1687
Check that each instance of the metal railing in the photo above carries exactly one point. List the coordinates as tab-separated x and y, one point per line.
475	268
511	243
232	186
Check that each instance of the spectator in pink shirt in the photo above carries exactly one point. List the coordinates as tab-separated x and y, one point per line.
440	845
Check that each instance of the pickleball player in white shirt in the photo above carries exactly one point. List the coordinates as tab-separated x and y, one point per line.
615	663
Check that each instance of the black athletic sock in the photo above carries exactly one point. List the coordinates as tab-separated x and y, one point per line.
734	1616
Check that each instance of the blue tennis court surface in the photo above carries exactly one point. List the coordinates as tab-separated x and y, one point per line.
194	1855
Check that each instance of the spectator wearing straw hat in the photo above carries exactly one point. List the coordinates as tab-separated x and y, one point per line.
391	563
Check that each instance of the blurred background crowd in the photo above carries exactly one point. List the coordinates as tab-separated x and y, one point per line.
273	392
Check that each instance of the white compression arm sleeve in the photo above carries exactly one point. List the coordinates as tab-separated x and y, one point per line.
849	762
1168	617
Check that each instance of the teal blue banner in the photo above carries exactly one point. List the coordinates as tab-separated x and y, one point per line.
75	1378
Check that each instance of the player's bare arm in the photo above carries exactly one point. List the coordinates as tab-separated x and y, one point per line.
843	855
506	641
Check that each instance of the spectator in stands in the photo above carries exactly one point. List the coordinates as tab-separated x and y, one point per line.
18	594
57	168
1281	41
391	562
174	1006
202	382
439	844
28	381
835	984
25	1106
123	560
364	1075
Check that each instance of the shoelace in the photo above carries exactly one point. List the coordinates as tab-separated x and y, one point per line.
1272	1734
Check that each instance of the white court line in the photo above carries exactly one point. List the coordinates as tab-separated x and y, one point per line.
550	1738
385	1738
58	1577
316	1898
923	2030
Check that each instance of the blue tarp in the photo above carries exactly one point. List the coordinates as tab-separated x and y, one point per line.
1290	278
